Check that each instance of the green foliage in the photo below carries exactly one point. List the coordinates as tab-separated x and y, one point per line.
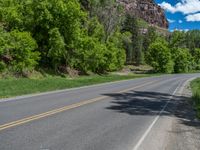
90	56
116	53
184	48
95	29
159	57
13	87
193	40
2	66
177	39
97	56
64	35
127	42
57	51
88	36
109	13
17	50
41	18
196	55
195	86
22	51
132	25
182	60
149	38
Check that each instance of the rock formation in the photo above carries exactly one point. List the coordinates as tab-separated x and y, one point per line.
147	10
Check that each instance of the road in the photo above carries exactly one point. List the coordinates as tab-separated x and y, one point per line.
125	115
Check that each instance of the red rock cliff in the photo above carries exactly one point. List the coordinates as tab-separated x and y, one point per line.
147	10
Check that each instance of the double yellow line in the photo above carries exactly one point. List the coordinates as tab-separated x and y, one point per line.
62	109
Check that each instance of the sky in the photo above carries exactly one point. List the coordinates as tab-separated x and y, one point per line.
182	14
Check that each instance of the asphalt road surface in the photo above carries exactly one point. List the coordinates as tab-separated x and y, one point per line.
125	115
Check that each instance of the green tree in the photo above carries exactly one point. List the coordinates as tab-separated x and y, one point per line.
17	51
149	38
40	18
193	40
4	45
110	14
196	56
131	25
116	55
22	51
57	51
182	60
159	56
178	40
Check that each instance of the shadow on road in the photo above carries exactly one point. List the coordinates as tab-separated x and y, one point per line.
151	103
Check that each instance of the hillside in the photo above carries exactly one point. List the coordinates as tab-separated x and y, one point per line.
147	10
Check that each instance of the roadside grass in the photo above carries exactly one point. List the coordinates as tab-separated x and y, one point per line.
15	87
195	85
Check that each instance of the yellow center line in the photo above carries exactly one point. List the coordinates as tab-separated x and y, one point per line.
62	109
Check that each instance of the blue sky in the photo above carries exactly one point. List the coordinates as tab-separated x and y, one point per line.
182	14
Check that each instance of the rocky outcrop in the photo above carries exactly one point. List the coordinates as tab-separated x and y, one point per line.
147	10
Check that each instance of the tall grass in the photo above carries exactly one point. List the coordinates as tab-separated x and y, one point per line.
195	85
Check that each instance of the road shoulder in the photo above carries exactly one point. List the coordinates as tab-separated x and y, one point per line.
185	130
177	127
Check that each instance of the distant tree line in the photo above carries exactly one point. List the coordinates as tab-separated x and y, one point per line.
178	53
88	36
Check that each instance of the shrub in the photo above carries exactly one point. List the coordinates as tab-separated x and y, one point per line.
116	55
90	56
2	66
197	58
57	51
182	60
159	57
22	49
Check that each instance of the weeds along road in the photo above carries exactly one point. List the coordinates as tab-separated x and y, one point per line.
126	115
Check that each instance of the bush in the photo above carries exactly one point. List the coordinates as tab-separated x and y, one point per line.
182	60
52	23
57	51
22	51
2	66
90	56
197	58
159	57
17	51
116	54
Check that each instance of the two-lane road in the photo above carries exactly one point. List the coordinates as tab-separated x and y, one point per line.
116	116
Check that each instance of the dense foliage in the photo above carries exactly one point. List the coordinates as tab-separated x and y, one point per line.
159	56
62	34
184	51
17	51
88	36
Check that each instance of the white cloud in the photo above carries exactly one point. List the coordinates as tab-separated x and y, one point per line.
185	6
168	7
180	21
171	21
193	17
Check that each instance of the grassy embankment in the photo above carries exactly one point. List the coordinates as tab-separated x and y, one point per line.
21	86
195	85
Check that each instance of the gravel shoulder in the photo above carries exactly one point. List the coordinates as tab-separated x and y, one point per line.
185	131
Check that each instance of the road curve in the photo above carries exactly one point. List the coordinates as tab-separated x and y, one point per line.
115	116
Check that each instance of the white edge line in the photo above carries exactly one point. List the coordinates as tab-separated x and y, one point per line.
158	116
67	90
